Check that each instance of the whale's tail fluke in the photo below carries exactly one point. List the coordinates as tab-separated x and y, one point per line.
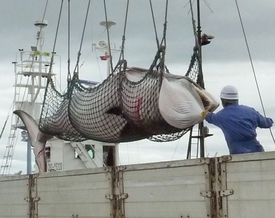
37	138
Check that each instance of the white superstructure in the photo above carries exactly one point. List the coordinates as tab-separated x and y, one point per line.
31	70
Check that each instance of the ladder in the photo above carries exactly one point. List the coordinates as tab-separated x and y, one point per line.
8	155
83	154
9	150
196	139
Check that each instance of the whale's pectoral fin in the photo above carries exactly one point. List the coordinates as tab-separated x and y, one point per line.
37	138
209	102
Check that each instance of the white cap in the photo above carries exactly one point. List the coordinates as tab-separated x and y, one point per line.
229	92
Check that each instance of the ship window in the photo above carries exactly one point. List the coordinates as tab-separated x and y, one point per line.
90	149
76	155
48	153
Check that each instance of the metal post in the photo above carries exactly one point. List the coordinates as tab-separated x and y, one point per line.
29	157
200	78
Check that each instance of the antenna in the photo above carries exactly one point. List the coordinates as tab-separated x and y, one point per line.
105	46
107	24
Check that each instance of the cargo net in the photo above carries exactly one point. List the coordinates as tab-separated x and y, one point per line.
116	110
193	74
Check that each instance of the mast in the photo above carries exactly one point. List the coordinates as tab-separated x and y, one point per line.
30	70
200	75
200	80
108	48
202	130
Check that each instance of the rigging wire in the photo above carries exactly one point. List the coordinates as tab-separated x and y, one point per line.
200	80
55	38
208	5
69	41
165	23
121	57
252	66
4	126
81	65
163	41
43	18
161	46
98	65
194	24
154	23
108	37
76	70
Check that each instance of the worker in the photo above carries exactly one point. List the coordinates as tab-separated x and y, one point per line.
238	123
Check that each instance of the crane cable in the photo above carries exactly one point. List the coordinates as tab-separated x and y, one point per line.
76	70
194	25
121	56
69	42
55	40
162	45
251	62
154	23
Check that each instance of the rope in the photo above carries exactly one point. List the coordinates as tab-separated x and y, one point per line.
55	39
108	38
160	55
165	23
76	70
154	23
252	66
121	57
163	41
194	25
3	128
69	40
164	38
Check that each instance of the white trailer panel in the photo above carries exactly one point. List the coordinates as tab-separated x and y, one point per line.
14	196
170	189
237	186
77	193
252	178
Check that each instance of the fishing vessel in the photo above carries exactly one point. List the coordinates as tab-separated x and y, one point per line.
31	73
176	131
223	186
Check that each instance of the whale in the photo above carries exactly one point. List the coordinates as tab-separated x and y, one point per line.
128	106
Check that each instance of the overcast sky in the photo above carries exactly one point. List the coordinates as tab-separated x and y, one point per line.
225	60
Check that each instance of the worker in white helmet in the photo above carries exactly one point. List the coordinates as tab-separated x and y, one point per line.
238	123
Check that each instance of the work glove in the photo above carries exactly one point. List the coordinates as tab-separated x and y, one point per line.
204	113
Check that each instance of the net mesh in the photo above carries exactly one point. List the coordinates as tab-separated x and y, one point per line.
117	110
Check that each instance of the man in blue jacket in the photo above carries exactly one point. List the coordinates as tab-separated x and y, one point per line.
238	123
